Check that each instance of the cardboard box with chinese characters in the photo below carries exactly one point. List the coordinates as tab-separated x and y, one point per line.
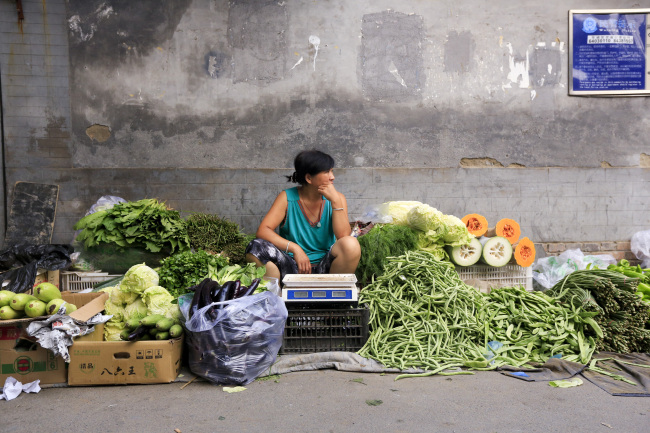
22	358
124	362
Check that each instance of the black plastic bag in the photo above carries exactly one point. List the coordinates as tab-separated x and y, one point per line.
20	263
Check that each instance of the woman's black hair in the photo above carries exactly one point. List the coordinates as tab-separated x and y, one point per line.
310	162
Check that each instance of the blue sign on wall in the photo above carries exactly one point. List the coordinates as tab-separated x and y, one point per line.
608	52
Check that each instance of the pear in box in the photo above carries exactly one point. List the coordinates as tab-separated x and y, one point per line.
53	306
35	308
8	313
19	301
5	297
46	292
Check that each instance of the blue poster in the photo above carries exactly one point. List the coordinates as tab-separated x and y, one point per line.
609	52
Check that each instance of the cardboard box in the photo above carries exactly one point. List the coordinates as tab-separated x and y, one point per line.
124	362
52	277
24	359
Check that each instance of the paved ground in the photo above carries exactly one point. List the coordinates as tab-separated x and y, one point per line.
331	401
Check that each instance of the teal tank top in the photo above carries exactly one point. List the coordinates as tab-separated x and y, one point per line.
315	241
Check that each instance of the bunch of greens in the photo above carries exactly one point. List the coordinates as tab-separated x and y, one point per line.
380	243
244	274
145	223
187	269
621	314
218	235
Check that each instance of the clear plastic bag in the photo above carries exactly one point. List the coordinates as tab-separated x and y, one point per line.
547	271
239	342
640	246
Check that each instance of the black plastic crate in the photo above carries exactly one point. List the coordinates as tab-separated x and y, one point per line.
325	330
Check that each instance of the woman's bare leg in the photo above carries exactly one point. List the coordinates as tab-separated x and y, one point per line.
346	252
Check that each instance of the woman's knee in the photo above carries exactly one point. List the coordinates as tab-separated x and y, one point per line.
349	247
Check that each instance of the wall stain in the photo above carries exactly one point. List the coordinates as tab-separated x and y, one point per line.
110	34
479	162
99	133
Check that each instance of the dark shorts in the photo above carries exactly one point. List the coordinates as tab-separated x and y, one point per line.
266	252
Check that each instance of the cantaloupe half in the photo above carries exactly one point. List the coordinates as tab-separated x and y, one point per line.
506	228
476	224
524	252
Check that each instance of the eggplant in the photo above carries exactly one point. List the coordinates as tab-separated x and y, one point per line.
198	299
214	292
251	289
234	288
138	333
224	292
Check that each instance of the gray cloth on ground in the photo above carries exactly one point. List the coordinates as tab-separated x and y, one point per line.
552	369
342	361
638	375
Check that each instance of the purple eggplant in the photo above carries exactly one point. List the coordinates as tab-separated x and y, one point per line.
251	289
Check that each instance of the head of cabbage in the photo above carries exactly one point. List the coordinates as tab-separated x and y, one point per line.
112	330
157	299
135	310
138	279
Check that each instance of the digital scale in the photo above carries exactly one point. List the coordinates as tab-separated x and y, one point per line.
320	288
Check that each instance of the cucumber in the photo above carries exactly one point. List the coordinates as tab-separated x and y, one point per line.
153	331
175	331
164	335
164	324
466	255
131	324
151	319
497	251
124	335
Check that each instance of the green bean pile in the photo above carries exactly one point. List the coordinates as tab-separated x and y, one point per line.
533	327
422	315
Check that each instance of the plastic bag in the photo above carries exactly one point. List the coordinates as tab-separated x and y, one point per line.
19	264
640	246
547	271
240	343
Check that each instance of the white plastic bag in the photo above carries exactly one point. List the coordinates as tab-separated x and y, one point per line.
640	246
547	271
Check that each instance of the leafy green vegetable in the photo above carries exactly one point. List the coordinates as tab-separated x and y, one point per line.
135	310
145	224
245	274
139	278
217	235
187	269
157	299
380	243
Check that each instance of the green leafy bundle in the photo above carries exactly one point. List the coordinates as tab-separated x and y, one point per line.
219	235
380	243
145	223
187	269
621	314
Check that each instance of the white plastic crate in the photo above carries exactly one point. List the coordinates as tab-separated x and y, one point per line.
79	281
504	276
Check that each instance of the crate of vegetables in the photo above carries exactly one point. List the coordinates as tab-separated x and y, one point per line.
502	276
309	330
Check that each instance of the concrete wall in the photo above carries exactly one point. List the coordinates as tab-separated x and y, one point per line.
203	104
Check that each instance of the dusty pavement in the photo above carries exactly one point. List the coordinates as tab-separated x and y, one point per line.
331	401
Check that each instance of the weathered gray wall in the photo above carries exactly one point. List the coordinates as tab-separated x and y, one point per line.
187	101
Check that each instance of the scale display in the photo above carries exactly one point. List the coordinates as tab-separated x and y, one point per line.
289	294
